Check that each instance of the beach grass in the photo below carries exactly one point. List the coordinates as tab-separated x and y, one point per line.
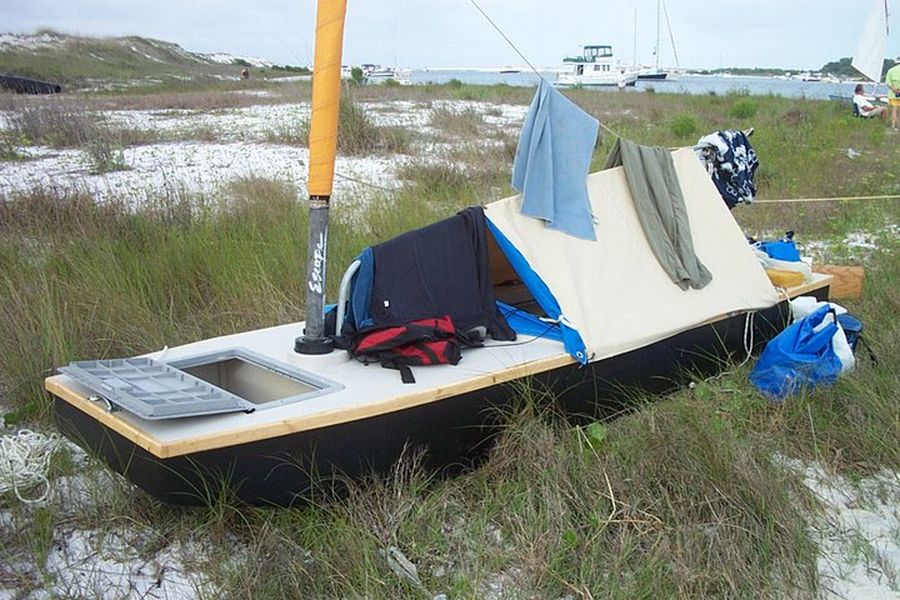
680	496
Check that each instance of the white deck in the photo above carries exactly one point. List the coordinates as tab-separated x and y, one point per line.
365	388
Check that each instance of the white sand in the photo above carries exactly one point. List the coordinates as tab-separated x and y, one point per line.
171	170
168	170
858	532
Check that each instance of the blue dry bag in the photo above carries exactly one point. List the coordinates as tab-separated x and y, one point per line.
783	249
798	357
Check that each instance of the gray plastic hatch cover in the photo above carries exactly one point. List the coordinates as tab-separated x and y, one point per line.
154	390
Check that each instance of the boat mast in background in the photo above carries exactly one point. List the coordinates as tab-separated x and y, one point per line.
872	48
656	51
326	97
671	36
635	60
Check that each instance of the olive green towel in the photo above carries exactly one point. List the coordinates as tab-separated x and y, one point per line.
659	203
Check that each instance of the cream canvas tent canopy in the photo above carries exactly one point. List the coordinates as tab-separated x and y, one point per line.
612	292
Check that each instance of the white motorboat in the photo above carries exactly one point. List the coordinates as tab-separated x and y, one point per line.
596	67
378	74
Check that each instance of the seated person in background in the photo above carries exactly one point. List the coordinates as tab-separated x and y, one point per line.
864	107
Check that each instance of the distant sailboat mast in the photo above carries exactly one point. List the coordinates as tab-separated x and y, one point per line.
872	48
635	60
671	36
657	35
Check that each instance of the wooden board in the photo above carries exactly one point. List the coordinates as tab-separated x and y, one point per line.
847	282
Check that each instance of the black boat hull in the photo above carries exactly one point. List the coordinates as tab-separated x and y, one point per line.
456	432
654	77
24	85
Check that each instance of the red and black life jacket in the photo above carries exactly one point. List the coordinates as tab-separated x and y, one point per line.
432	341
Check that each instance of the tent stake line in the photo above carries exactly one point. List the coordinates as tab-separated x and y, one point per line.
833	199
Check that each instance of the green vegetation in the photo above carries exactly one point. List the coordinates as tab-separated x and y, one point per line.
68	125
802	143
357	133
747	71
684	126
676	497
357	76
467	122
294	70
9	149
842	68
86	62
745	108
836	68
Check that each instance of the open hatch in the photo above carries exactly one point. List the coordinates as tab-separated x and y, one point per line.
222	381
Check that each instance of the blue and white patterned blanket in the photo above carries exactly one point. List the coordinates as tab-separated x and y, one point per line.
732	162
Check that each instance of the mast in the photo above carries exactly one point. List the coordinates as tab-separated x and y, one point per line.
672	35
634	41
326	97
657	35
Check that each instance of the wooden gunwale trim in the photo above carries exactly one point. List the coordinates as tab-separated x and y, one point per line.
812	286
252	433
56	386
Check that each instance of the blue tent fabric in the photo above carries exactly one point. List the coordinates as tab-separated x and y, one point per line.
361	291
571	339
525	323
552	162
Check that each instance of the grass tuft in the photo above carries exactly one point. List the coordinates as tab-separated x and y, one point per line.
467	122
50	123
357	132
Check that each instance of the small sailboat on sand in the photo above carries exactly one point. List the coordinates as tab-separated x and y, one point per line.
273	415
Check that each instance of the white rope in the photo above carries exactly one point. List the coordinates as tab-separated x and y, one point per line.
748	341
24	462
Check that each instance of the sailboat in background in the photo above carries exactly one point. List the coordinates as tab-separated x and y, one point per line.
655	73
872	48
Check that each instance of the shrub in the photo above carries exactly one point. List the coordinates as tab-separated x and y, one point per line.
8	150
472	92
743	109
104	153
357	76
357	133
684	125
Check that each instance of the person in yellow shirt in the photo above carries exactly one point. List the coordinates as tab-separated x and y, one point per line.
892	79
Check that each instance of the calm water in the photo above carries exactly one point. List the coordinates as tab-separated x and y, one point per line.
694	84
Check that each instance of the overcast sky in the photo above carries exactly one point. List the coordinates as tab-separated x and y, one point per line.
417	33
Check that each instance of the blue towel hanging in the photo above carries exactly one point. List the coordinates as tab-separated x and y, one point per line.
552	162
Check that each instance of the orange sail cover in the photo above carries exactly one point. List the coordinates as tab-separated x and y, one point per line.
326	96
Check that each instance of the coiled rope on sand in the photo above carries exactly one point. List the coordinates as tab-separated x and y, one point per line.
24	463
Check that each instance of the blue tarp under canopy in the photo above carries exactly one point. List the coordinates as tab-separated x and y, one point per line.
571	339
